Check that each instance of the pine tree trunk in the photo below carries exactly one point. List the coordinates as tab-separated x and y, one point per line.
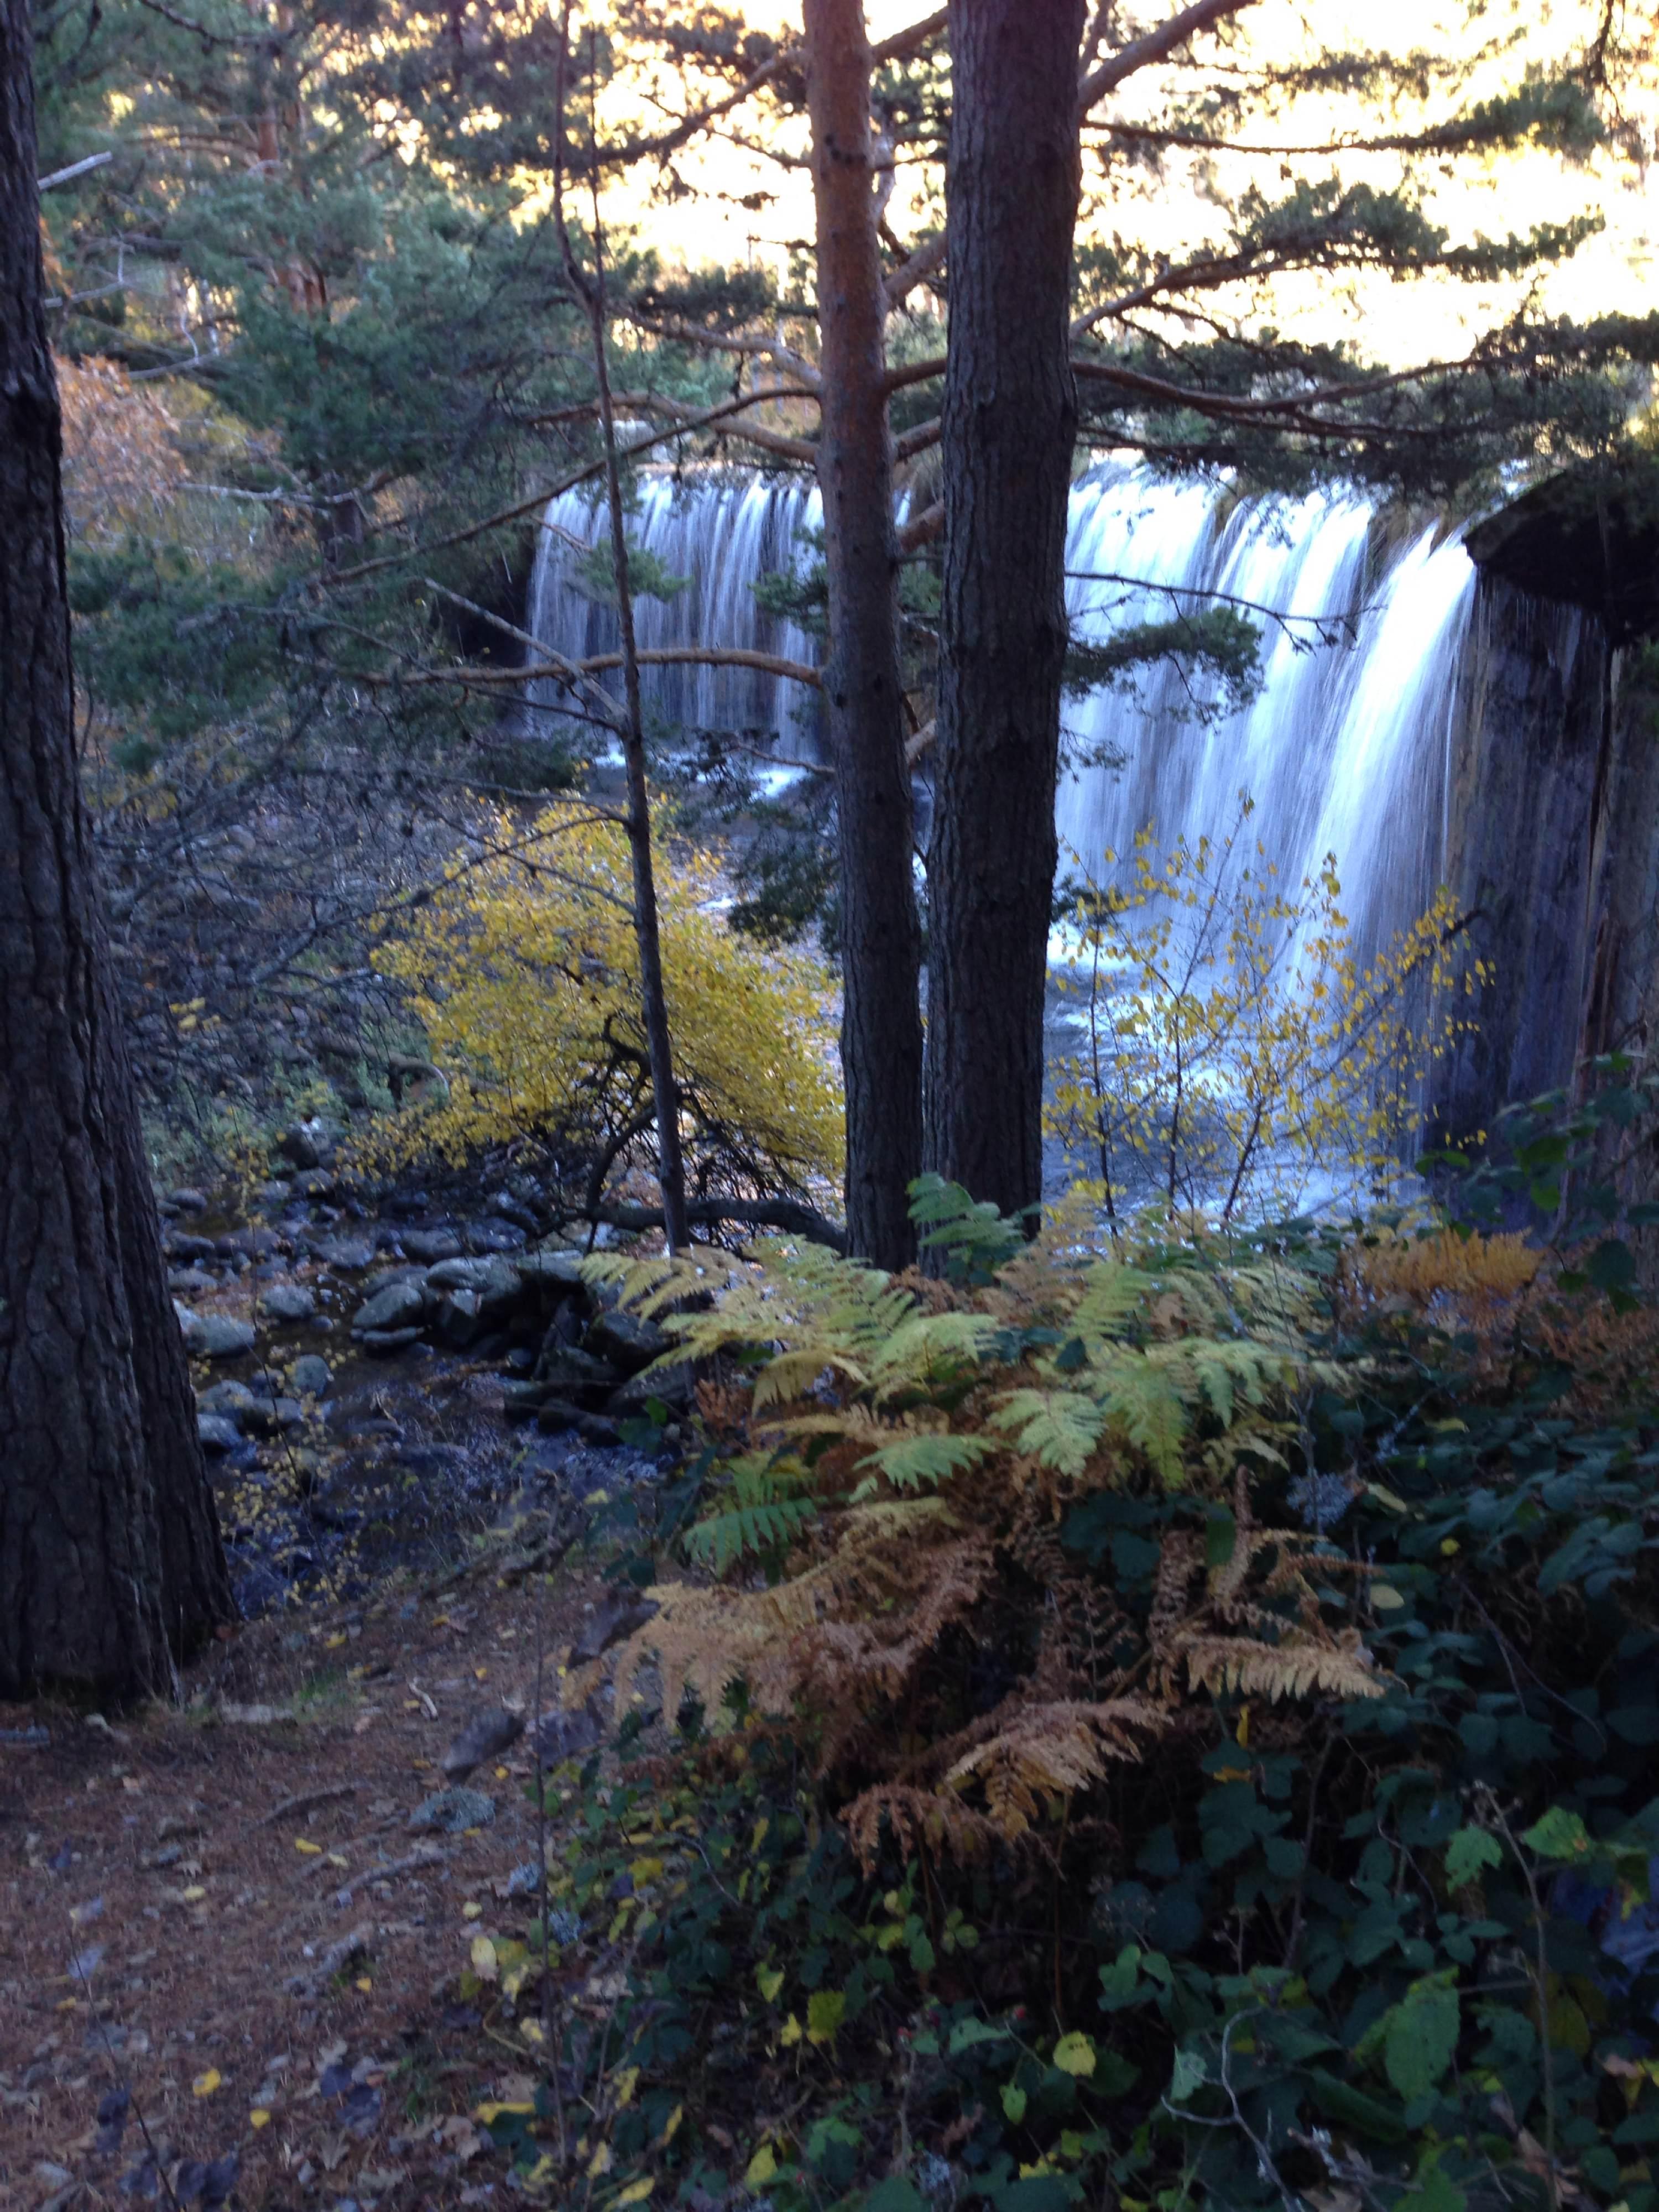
881	947
1009	424
110	1557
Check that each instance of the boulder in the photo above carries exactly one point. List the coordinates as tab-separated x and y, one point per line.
351	1253
625	1341
461	1319
178	1244
558	1267
188	1199
307	1144
454	1811
218	1433
269	1417
289	1302
312	1376
554	1415
520	1402
228	1400
493	1237
383	1340
431	1244
315	1182
191	1281
217	1336
400	1305
674	1386
485	1736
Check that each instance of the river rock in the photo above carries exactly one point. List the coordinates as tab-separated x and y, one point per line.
229	1400
315	1182
558	1267
571	1372
217	1336
190	1282
307	1144
454	1811
520	1402
384	1340
269	1417
289	1302
493	1237
608	1624
674	1386
554	1415
187	1199
485	1736
431	1244
625	1341
178	1244
312	1376
562	1736
351	1253
218	1433
400	1305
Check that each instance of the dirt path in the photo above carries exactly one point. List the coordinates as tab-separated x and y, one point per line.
232	1921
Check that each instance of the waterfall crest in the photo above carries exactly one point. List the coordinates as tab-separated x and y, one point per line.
1344	749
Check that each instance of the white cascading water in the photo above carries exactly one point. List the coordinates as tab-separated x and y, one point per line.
721	531
1343	750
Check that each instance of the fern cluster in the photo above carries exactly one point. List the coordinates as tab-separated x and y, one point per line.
876	1538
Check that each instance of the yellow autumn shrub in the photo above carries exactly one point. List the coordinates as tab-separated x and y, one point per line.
524	969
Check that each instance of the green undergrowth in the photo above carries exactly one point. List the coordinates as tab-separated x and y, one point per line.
1322	1951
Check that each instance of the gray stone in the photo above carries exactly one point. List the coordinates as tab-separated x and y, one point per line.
674	1386
312	1374
217	1336
520	1401
307	1144
188	1199
560	1735
493	1237
608	1624
190	1281
217	1432
273	1193
554	1414
399	1305
289	1302
559	1268
315	1182
268	1417
346	1252
178	1244
460	1321
470	1274
599	1430
571	1373
384	1340
230	1399
485	1736
625	1341
431	1244
455	1810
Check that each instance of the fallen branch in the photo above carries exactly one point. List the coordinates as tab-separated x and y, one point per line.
784	1213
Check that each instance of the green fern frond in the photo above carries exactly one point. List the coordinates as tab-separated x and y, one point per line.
910	1461
1113	1293
1059	1428
718	1542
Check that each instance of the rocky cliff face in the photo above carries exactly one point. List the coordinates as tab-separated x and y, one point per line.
1552	832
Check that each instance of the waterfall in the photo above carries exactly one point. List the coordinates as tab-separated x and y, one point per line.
1343	750
720	531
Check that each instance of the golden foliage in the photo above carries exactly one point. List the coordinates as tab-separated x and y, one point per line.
1237	1049
1476	1273
524	969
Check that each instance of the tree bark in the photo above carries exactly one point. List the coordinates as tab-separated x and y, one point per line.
110	1558
1010	421
881	942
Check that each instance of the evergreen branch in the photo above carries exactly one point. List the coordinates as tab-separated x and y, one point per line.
1154	46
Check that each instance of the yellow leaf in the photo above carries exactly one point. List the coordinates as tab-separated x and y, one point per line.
645	1871
485	2113
364	1983
531	2031
760	2168
311	1851
483	1958
601	2161
259	2117
471	1910
791	2032
636	2192
768	1980
1075	2054
194	1893
671	2126
205	2084
333	1643
825	2011
627	2080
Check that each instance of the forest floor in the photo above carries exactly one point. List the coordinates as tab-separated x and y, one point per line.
228	1962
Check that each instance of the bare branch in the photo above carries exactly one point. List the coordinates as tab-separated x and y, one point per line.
1154	46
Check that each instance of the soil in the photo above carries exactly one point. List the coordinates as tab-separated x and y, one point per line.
221	1941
